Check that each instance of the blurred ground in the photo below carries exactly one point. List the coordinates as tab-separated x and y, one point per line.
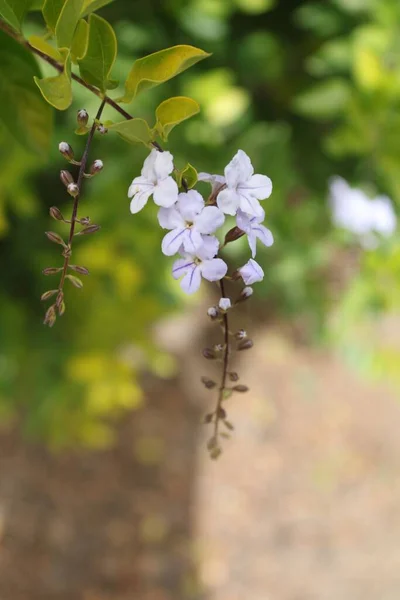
302	505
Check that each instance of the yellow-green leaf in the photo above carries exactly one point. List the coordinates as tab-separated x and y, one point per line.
13	11
173	111
156	68
80	41
133	131
51	11
90	6
57	90
40	44
189	174
67	22
96	65
22	110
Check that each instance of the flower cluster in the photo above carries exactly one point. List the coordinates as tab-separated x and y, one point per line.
192	224
353	210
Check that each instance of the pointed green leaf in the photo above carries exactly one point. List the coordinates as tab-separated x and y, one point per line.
133	131
57	90
90	6
22	110
189	174
101	52
13	11
80	41
173	111
67	22
156	68
40	44
51	11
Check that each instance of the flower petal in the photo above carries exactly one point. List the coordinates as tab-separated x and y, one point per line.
251	238
216	180
148	167
172	241
191	281
192	241
228	201
250	205
140	199
166	192
138	185
210	219
264	235
182	266
170	218
214	269
209	247
243	221
259	186
190	204
238	170
163	165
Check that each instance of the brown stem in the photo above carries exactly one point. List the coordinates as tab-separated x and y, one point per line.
82	168
224	375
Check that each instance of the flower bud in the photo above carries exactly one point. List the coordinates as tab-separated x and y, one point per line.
48	295
56	213
208	418
218	347
213	312
233	376
215	453
241	334
101	129
245	294
82	117
208	353
75	281
66	150
245	344
79	269
224	304
90	229
61	308
84	221
66	177
50	316
208	383
59	299
240	388
221	413
54	237
233	234
96	167
51	270
73	190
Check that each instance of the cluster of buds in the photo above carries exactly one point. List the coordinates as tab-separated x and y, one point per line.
86	226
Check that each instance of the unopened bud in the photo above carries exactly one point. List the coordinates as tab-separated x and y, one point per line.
221	414
208	353
59	299
73	190
233	376
245	293
101	129
84	221
82	117
245	345
213	312
48	295
50	316
218	347
66	177
66	150
75	281
79	269
56	213
208	383
215	453
208	418
241	334
90	229
61	308
51	270
96	167
54	237
224	304
233	234
241	388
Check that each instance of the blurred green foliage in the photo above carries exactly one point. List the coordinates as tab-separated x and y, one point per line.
308	90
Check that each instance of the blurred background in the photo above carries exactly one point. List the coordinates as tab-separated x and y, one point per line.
106	488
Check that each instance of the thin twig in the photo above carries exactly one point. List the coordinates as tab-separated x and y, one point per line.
225	324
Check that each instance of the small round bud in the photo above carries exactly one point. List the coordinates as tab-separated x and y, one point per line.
218	347
66	177
73	189
66	150
224	304
241	388
245	345
233	376
247	292
208	353
221	413
101	129
56	213
96	167
241	334
84	221
82	117
213	312
208	383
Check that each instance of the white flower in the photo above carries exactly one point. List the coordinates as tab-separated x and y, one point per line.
224	303
353	210
253	228
155	179
189	220
243	188
251	272
193	267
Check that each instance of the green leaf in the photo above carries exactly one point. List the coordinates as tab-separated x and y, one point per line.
57	91
40	44
51	11
173	111
67	22
22	110
324	100
13	11
189	174
156	68
90	6
80	41
133	131
100	56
